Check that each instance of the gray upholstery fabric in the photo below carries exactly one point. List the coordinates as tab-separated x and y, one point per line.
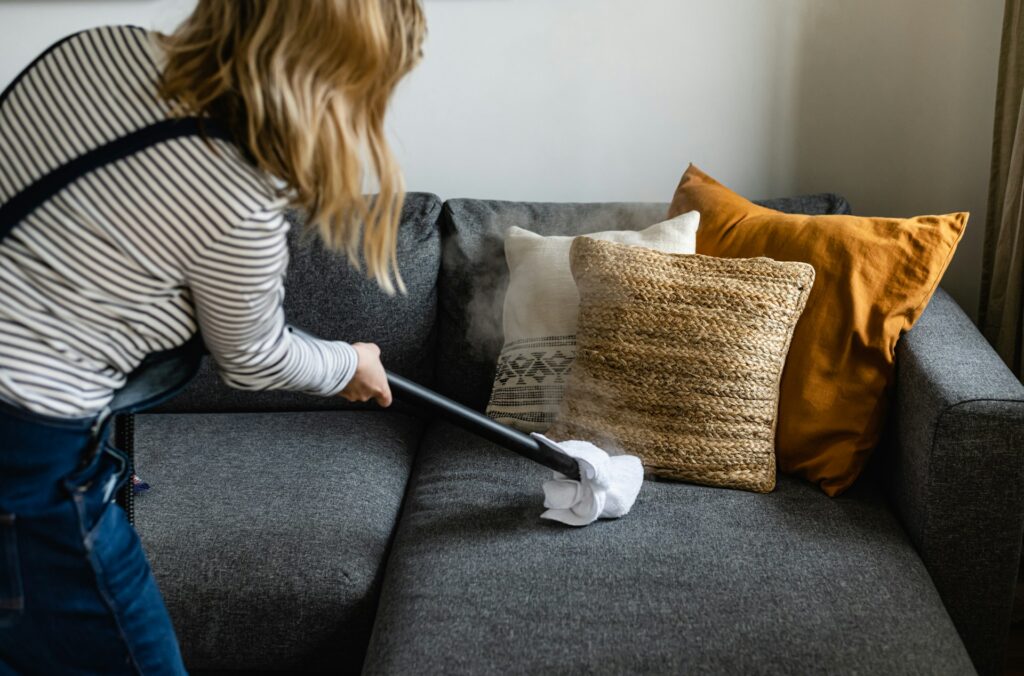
325	296
957	471
267	532
474	274
694	580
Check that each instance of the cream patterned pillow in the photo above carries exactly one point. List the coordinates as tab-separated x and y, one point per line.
540	317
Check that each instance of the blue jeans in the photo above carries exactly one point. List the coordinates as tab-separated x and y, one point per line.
76	593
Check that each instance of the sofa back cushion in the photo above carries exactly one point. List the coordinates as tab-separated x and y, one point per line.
474	275
326	297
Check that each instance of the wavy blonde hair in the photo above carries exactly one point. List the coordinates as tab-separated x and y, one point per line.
303	87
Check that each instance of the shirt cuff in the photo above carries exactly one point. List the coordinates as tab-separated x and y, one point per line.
348	360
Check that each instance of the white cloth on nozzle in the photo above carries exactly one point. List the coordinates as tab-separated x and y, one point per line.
607	488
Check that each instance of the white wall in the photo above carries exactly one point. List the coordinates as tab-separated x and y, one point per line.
889	102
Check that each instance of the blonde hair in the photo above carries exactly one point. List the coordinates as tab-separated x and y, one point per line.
303	87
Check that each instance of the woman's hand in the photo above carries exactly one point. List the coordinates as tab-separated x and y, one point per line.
370	381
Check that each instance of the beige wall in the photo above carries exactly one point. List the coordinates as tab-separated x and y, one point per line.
888	102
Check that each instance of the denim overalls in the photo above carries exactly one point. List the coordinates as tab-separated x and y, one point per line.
76	592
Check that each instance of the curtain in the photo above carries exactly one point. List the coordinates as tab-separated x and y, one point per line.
1001	313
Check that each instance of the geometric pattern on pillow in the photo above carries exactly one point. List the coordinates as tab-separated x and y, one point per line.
530	380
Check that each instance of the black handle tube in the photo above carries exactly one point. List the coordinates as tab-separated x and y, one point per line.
473	421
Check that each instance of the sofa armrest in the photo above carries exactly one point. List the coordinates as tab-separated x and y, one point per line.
957	471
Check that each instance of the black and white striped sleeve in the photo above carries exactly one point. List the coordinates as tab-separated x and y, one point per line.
237	285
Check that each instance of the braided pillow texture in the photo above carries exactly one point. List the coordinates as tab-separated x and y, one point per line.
679	359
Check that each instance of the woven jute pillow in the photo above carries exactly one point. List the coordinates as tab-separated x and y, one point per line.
679	358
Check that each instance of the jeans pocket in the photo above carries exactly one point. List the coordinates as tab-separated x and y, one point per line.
12	598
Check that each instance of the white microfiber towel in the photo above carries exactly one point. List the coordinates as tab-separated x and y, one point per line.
607	488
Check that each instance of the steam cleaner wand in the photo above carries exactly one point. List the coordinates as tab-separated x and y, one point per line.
428	401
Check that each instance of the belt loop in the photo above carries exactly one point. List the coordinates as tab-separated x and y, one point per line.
96	432
98	426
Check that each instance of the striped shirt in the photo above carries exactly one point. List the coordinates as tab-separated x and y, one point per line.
134	257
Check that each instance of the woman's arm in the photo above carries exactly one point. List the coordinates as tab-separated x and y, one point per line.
237	287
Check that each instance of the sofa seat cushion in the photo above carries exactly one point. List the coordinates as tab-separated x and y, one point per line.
267	532
693	580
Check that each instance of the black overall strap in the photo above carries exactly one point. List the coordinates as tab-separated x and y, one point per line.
16	209
162	374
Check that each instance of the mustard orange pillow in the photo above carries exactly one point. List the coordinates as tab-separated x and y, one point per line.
874	277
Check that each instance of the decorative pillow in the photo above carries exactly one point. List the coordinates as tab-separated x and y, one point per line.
540	317
875	276
678	360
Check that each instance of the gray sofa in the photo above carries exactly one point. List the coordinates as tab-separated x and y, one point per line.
295	533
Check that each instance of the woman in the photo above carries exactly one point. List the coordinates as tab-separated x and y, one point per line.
127	232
